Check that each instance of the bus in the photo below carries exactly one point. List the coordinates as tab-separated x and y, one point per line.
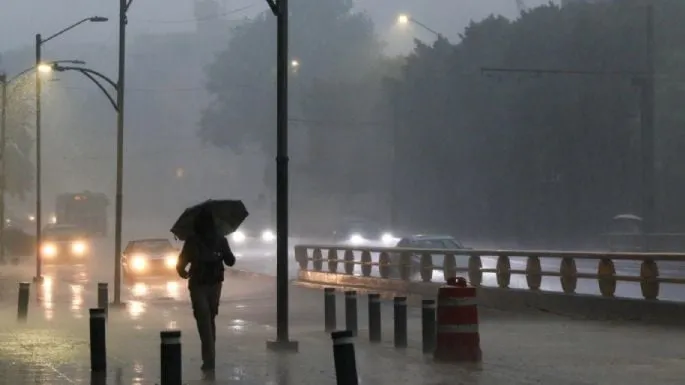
87	210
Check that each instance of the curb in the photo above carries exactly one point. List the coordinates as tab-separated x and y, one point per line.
248	274
584	306
389	295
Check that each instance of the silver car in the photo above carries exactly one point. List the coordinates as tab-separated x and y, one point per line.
435	242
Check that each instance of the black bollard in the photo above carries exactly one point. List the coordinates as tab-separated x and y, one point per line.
329	308
98	338
400	322
98	378
344	359
428	325
351	311
171	357
374	317
23	303
103	296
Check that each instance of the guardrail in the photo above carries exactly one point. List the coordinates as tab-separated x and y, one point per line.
404	264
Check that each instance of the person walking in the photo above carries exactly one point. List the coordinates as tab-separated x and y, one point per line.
206	251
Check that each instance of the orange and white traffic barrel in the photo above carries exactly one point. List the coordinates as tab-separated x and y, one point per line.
458	338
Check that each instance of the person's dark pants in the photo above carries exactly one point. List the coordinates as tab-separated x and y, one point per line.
205	300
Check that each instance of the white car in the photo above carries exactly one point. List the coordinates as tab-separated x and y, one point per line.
149	258
364	233
435	242
245	237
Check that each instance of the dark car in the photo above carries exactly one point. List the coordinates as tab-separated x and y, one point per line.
435	242
149	258
64	244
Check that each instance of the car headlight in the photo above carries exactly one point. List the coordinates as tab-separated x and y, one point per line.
170	261
356	239
268	236
79	248
388	239
238	237
139	262
48	250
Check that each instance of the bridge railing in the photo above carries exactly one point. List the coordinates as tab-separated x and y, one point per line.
421	264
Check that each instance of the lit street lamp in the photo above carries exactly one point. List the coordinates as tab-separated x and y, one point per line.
39	45
4	83
44	68
404	19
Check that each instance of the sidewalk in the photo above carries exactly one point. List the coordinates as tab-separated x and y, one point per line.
517	348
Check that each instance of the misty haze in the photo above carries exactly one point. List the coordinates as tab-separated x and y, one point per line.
227	168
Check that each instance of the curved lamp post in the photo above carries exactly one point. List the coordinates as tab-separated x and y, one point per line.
5	82
116	101
39	45
405	19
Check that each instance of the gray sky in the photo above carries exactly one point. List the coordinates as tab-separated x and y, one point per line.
21	20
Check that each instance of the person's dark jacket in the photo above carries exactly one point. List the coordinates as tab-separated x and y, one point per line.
206	260
206	252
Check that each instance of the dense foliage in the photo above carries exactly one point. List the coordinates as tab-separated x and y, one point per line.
20	114
334	50
535	156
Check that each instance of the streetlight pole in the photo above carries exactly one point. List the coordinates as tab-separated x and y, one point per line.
119	199
3	154
282	341
39	206
646	84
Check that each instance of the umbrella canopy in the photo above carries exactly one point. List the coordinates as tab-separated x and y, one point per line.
228	215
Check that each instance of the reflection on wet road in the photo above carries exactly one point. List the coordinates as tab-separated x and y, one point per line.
71	284
522	350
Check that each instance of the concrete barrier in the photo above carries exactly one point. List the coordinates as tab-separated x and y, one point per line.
574	305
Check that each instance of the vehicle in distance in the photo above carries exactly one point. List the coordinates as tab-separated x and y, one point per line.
253	233
434	242
87	210
64	244
149	258
360	232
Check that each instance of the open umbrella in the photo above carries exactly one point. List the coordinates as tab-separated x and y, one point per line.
228	216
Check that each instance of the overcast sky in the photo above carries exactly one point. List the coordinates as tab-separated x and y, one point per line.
22	19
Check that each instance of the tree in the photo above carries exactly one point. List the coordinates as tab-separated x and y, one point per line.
539	156
330	93
19	167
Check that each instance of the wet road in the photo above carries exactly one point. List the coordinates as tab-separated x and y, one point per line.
256	256
518	348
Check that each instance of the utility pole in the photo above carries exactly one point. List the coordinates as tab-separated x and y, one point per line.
39	204
646	82
395	92
3	162
123	8
648	142
282	342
